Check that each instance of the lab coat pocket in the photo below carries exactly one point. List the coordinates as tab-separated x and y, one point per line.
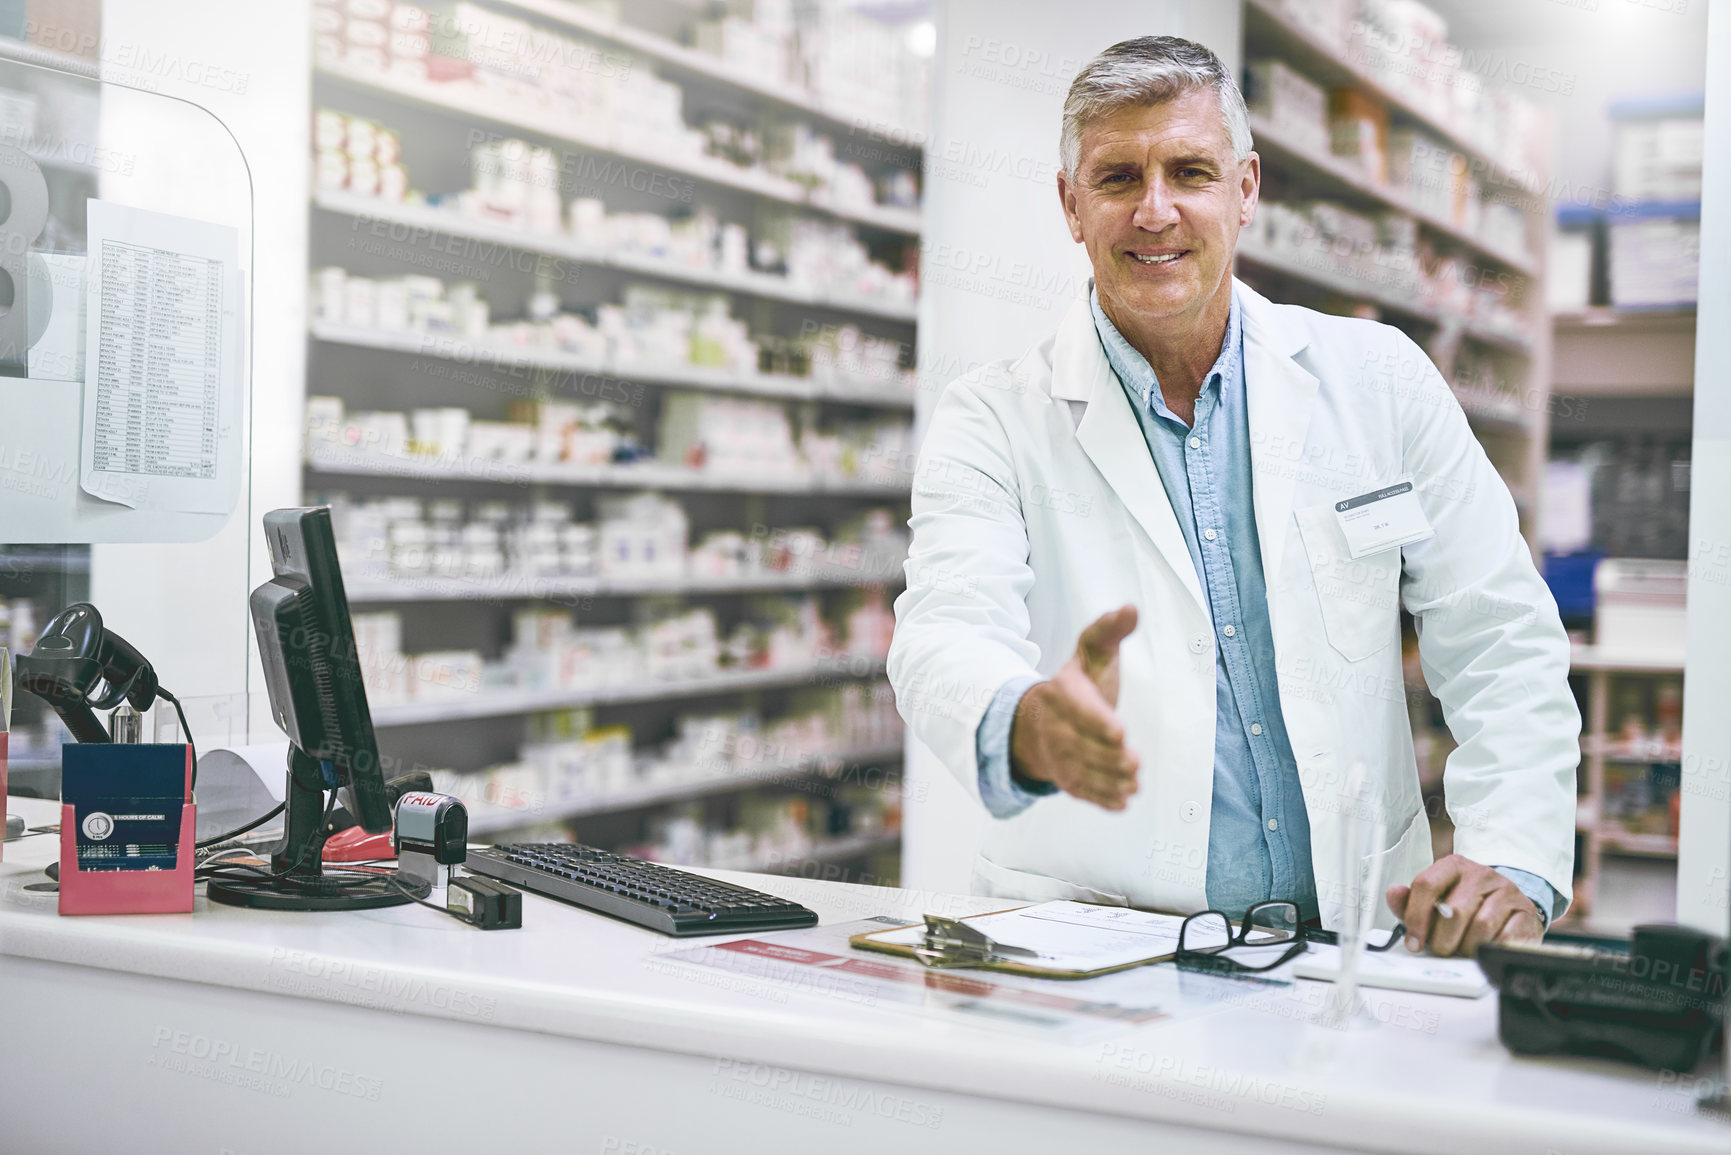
1360	597
1398	864
996	881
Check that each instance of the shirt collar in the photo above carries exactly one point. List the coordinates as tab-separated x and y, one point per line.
1137	376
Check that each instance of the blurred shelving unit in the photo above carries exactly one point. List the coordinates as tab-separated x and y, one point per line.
864	392
827	852
1604	352
1398	189
1603	839
46	57
1319	63
505	702
364	463
446	105
767	285
36	582
374	592
1623	372
696	783
684	63
48	117
441	98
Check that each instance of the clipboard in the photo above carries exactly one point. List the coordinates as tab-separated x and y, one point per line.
969	947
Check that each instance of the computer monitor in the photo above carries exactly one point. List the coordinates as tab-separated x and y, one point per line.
313	674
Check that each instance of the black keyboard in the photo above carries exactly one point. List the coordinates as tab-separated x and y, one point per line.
646	893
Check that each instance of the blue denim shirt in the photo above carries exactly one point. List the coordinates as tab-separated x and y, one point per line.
1259	830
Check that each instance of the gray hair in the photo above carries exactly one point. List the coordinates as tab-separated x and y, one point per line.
1149	70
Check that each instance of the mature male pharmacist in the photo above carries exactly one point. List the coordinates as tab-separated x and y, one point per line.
1153	610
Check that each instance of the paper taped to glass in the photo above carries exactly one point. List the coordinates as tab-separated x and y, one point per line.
162	413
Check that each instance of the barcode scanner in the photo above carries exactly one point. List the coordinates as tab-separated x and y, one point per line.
79	667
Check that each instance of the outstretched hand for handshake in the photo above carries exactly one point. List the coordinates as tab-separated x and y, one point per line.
1066	729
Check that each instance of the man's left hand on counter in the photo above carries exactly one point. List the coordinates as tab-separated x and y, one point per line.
1487	907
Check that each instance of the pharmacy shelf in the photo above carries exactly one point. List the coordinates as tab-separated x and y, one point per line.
1515	426
25	52
424	220
1627	320
1267	26
1625	353
29	759
486	819
690	63
64	164
1618	750
1585	657
604	152
487	355
1613	839
524	587
504	703
1318	273
474	103
833	850
17	564
1276	143
1625	758
1602	836
1494	412
653	475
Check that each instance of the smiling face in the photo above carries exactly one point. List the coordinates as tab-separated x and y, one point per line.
1158	199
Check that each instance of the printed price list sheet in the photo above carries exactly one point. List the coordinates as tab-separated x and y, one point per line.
162	383
156	385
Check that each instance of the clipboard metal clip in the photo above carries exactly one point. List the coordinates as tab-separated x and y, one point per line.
950	942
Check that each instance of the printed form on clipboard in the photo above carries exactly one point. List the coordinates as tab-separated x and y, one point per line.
1056	939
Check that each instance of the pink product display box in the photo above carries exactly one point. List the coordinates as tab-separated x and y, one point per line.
127	829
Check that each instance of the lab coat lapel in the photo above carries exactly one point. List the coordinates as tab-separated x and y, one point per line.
1280	394
1112	438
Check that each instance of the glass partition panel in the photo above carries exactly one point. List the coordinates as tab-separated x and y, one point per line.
125	253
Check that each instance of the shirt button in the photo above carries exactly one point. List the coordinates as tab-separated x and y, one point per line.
1274	824
1196	443
1198	644
1190	811
1231	631
1209	534
1256	728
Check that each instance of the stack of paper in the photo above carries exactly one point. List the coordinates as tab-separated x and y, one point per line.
1072	936
1397	970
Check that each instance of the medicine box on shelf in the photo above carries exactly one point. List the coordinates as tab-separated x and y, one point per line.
1640	605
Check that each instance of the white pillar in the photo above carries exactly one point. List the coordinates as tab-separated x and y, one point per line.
1704	832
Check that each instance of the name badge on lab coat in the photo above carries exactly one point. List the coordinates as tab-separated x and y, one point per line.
1382	519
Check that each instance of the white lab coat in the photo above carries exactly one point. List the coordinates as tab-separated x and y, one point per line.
1037	507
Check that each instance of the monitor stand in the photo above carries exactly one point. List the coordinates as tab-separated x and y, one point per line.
298	860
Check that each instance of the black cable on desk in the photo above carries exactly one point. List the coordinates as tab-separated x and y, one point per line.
240	830
186	731
256	875
413	897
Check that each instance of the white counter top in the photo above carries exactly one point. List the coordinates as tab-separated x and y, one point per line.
1433	1078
